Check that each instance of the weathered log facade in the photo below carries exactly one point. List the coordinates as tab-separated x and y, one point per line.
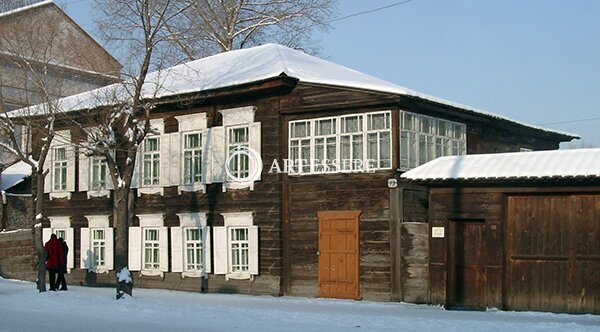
382	223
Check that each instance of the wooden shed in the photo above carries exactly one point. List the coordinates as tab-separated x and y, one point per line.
517	231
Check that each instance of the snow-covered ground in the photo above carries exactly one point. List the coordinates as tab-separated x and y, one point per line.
94	309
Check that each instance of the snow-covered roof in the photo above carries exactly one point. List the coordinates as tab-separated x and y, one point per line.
558	164
24	8
14	175
247	66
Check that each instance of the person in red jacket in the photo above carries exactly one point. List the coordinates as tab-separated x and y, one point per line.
54	259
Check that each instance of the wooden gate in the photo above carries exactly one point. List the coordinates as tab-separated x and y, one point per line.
553	253
467	276
339	254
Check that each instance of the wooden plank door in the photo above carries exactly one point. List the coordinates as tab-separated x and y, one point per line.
467	280
339	254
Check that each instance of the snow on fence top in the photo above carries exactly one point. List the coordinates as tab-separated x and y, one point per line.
247	66
516	165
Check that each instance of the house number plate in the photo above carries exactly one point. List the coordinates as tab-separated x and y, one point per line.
437	232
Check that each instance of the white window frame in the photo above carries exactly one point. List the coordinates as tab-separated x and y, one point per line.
190	221
62	139
339	166
317	165
60	169
224	245
58	225
103	178
420	144
379	133
96	223
154	246
154	163
196	152
300	144
137	240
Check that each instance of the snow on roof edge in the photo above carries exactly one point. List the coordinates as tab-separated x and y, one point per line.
24	8
284	64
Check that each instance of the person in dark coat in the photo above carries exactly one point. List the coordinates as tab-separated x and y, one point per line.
61	283
54	259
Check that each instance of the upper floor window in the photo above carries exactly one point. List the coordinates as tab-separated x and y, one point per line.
151	161
192	158
238	138
424	138
60	168
358	142
98	174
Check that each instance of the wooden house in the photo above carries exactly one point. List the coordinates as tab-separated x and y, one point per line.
323	227
517	231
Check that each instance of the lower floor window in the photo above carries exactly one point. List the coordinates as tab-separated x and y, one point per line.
193	249
99	247
151	249
239	249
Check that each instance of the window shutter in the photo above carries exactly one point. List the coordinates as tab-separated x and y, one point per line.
135	248
69	233
206	249
70	168
253	250
48	166
85	253
84	172
255	144
135	179
109	183
218	154
207	157
163	247
220	250
177	249
109	255
46	232
164	160
175	158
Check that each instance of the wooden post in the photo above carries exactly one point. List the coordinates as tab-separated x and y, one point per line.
396	219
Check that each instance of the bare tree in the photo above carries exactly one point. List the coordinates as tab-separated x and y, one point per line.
214	26
139	27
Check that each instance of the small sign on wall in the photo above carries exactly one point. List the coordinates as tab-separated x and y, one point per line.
437	232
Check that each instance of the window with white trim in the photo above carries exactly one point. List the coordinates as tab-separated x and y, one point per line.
238	139
424	138
300	138
151	161
356	142
192	158
61	226
99	248
59	168
193	249
151	255
96	253
148	246
236	246
98	173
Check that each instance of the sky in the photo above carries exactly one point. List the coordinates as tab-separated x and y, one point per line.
536	61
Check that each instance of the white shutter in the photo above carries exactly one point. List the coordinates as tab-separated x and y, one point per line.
46	233
175	158
109	183
84	172
48	166
206	249
71	244
135	248
109	251
70	168
255	144
135	179
163	248
218	154
253	250
207	157
164	178
177	249
220	250
85	254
